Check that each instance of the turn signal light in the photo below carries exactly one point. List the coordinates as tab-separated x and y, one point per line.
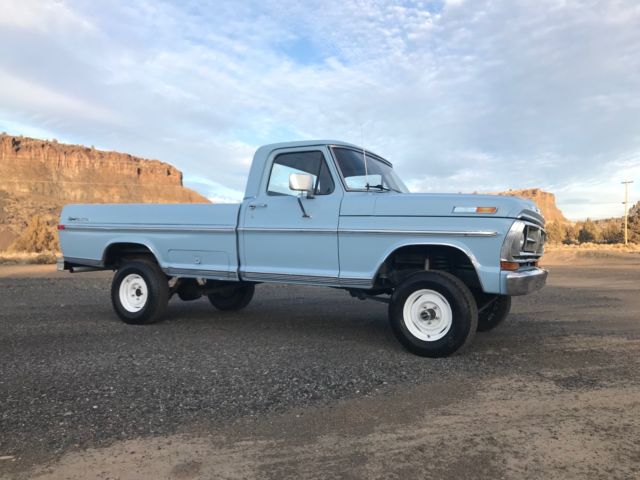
486	209
475	209
509	265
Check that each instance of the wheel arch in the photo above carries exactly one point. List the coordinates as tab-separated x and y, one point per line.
121	248
426	247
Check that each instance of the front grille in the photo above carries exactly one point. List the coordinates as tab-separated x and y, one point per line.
534	238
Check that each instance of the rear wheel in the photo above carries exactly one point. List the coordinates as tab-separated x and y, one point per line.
232	298
494	314
140	292
433	314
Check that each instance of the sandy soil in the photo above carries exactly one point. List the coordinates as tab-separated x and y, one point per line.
603	256
507	428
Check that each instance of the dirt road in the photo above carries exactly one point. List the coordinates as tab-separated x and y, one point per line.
309	383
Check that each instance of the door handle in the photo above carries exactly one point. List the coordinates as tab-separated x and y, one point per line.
253	206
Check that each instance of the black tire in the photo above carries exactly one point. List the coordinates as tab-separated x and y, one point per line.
189	290
494	314
234	298
463	312
156	299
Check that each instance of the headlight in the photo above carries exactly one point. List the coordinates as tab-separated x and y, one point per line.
517	244
524	240
513	242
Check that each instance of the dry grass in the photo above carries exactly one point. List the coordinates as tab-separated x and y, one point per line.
28	258
599	247
591	254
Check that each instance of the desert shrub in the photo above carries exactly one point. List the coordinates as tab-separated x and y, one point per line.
570	235
611	232
37	237
588	232
634	223
556	232
27	258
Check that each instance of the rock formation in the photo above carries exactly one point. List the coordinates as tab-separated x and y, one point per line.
37	177
546	203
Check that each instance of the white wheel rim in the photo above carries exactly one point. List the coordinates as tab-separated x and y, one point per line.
133	293
427	315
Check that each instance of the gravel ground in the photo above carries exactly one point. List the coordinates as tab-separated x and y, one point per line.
74	379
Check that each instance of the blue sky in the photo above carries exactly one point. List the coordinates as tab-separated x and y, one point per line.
461	95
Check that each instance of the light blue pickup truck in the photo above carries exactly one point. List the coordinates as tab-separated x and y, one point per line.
321	213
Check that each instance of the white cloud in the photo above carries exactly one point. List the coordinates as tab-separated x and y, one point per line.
465	96
41	16
19	93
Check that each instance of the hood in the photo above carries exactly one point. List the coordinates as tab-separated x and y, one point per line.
437	205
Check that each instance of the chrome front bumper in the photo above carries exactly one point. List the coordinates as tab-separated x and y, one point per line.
521	283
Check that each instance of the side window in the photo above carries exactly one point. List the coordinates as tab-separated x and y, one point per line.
312	163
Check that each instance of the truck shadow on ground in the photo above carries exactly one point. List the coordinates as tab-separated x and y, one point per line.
301	319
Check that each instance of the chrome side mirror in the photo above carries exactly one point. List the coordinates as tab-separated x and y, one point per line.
301	182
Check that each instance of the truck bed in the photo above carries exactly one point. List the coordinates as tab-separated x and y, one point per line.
195	240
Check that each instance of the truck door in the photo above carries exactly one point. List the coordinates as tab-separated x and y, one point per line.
279	242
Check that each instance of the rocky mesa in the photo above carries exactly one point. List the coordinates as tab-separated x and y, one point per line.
546	202
38	177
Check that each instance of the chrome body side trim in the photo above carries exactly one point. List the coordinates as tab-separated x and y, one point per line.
110	227
196	273
431	233
356	282
213	229
288	278
426	233
522	283
306	279
288	230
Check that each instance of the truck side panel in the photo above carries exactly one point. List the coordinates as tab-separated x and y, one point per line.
364	245
187	240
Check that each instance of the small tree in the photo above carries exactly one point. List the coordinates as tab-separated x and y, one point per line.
570	234
612	232
555	232
588	232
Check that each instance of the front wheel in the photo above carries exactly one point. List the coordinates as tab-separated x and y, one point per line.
140	292
494	313
433	314
232	298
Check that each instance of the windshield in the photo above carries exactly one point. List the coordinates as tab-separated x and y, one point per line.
378	175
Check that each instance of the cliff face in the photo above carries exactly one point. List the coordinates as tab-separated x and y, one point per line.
546	203
38	177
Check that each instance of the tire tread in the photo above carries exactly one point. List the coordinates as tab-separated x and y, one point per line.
158	288
442	277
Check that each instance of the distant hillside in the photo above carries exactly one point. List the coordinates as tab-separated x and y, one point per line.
38	177
546	203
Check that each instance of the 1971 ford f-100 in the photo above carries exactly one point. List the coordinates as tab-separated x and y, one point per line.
321	213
